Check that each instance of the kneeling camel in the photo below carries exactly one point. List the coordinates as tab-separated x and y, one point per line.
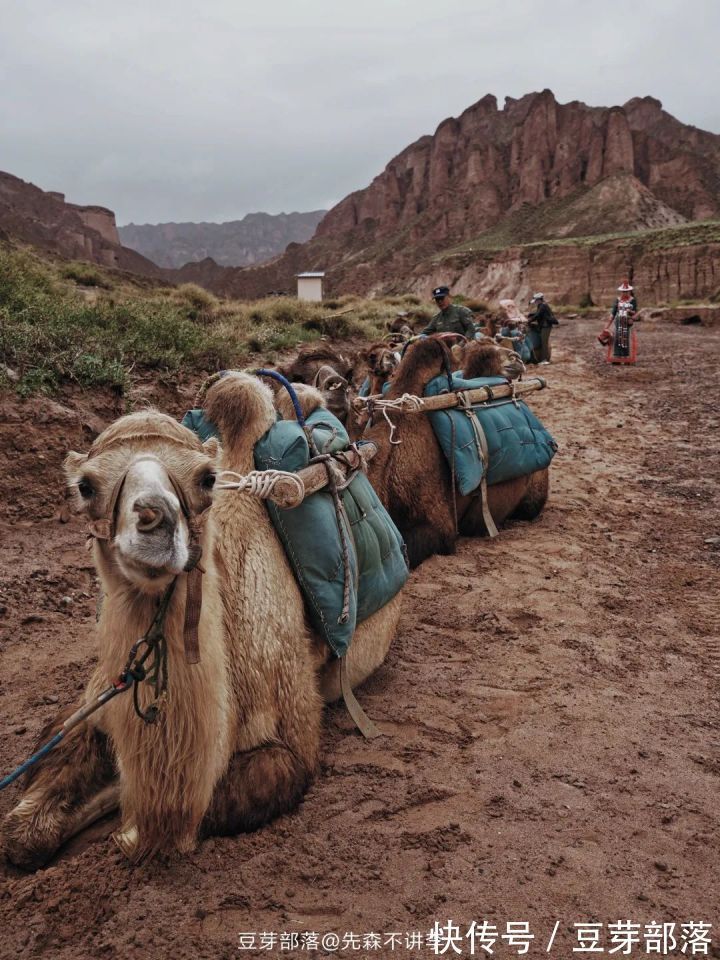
412	478
238	734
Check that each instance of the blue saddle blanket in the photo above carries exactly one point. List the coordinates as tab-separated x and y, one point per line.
517	441
310	534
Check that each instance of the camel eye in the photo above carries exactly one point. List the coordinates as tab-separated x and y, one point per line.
86	489
208	481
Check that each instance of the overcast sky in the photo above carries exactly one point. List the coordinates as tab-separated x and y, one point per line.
178	110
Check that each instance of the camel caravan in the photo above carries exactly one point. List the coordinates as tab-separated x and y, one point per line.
259	551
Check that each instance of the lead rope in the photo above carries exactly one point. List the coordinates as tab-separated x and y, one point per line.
132	675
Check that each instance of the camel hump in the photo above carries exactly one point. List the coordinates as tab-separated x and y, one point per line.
310	400
241	407
481	360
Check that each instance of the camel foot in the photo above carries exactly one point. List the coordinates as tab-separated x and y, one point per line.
102	804
32	832
533	503
259	785
37	827
128	840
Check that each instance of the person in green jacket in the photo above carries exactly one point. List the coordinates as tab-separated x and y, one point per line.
452	317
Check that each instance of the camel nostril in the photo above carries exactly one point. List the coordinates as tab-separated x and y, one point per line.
148	519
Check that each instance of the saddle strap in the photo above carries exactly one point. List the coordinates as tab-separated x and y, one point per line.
484	454
361	720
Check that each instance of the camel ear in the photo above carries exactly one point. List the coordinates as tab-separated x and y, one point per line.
212	448
72	464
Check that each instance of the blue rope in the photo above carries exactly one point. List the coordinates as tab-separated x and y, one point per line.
288	386
72	721
31	761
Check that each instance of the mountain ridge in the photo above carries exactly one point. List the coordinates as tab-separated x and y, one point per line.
254	238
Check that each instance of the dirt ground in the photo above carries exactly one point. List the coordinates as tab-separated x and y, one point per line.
551	703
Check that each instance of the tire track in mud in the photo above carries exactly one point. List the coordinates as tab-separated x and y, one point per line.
551	700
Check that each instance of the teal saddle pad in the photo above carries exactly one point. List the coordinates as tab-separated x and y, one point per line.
310	534
517	441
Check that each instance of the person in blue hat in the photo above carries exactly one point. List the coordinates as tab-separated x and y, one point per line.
452	317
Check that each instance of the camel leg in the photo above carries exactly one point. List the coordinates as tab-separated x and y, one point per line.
519	499
368	650
425	539
103	803
60	793
532	504
258	786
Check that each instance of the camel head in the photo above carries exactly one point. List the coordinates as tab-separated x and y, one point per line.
381	360
309	361
423	359
323	367
143	481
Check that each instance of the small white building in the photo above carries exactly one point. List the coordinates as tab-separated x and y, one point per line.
309	286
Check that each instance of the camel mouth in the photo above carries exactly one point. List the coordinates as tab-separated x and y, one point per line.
144	574
151	556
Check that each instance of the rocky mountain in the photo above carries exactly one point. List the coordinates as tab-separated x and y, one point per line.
46	220
254	239
530	171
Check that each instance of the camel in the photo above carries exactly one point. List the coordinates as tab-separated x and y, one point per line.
238	735
321	366
413	480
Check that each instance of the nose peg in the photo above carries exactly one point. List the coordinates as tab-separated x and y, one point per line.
149	517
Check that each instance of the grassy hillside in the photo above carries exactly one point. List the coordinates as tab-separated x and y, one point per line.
73	322
685	234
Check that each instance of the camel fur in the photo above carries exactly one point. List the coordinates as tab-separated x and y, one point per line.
238	736
413	479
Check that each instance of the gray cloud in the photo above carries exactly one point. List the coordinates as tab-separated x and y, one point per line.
182	110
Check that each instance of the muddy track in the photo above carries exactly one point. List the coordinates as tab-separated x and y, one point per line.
551	699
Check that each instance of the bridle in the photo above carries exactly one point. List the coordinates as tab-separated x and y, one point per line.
105	529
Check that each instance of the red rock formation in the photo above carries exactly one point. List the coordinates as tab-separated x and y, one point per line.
486	167
663	267
44	219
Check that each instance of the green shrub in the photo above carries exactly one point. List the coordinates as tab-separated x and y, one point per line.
197	297
85	274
